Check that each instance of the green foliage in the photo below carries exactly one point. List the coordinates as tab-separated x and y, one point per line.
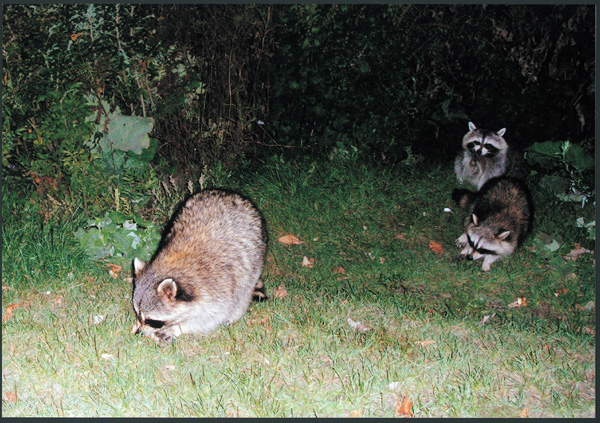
223	85
118	237
569	169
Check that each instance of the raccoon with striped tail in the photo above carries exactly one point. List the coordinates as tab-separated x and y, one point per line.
485	154
206	270
500	216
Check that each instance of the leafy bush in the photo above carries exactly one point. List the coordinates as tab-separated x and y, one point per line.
119	237
567	171
568	168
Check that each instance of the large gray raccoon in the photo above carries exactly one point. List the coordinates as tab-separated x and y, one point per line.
500	216
206	270
486	155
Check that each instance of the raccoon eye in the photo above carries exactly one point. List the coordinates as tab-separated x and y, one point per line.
156	324
491	150
472	145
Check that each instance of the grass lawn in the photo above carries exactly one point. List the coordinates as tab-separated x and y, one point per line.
440	335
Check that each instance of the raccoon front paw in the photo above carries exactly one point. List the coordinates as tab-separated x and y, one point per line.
164	336
461	241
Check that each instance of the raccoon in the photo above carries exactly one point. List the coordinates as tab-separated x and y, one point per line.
500	216
486	155
206	271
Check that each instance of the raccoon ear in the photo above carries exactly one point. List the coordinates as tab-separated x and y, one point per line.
167	288
475	219
472	126
501	132
138	266
504	235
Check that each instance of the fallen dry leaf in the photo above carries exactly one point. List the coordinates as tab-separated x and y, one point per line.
339	270
524	413
356	413
114	270
400	236
404	408
486	318
360	326
289	240
576	252
425	343
308	262
11	397
521	302
436	247
8	314
589	331
6	288
560	292
280	292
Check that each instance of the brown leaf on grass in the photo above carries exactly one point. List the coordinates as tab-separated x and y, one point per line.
425	343
560	292
401	236
589	331
289	240
263	322
8	314
356	413
308	262
6	288
524	413
436	247
404	407
114	270
576	252
520	302
11	397
280	292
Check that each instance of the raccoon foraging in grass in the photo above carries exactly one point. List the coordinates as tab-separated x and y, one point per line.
500	216
206	270
486	155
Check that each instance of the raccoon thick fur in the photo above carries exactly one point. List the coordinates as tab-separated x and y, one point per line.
206	270
485	154
500	216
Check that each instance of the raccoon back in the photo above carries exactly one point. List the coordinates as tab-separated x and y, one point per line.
506	203
214	251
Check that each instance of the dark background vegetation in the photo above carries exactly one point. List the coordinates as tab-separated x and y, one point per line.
231	85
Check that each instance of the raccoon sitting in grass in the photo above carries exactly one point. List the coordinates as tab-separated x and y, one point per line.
486	155
500	216
206	271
